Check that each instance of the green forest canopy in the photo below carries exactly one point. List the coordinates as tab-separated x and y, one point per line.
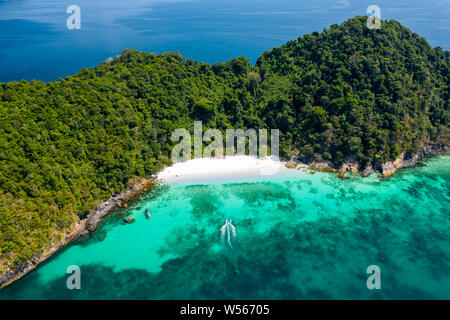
348	91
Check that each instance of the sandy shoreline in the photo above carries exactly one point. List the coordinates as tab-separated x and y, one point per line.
228	169
201	170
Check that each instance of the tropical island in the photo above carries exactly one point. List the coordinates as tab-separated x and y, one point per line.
348	98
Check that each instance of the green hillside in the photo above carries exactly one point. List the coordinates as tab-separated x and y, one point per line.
348	91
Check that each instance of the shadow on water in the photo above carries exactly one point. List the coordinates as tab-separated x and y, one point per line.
285	263
278	256
282	264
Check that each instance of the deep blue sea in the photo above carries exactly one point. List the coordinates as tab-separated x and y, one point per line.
36	44
304	236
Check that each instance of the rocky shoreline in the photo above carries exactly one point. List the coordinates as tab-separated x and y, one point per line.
84	227
387	169
81	228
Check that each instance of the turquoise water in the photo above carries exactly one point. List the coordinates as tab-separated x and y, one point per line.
303	236
36	44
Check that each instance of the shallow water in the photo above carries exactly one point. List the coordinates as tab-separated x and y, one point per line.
303	236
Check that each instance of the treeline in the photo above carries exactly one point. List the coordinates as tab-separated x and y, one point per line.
354	91
348	91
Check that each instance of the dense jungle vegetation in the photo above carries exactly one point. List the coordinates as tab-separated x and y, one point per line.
347	91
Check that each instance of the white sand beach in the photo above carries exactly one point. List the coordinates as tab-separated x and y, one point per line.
228	169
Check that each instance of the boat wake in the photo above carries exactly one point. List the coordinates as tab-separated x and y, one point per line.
228	231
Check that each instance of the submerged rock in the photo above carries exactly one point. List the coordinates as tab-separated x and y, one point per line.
102	236
128	220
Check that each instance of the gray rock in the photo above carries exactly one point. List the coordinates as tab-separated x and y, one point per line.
409	160
388	169
368	170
